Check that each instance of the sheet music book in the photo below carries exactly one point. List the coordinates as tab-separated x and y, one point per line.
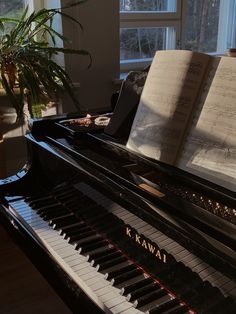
187	115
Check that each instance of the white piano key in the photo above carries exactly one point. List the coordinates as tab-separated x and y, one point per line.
66	252
26	214
74	262
24	211
71	257
99	285
35	223
57	244
93	281
104	290
46	234
109	296
121	307
88	276
86	270
115	302
80	266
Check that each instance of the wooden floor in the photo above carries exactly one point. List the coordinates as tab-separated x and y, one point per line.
22	288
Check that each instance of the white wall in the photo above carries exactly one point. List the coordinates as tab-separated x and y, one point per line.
100	19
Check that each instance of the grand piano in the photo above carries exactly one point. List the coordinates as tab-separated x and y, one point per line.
117	231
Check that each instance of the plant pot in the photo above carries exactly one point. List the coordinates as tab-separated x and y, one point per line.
12	142
8	118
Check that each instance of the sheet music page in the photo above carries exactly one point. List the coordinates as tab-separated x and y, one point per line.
210	147
167	100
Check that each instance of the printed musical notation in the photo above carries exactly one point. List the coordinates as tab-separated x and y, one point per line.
166	103
187	113
210	145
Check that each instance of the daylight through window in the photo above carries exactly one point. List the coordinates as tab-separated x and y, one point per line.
147	26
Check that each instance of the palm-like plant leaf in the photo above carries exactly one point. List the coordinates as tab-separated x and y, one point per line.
25	48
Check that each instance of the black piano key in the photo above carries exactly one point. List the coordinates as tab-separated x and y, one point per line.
116	271
101	213
37	203
59	222
166	304
125	277
87	241
36	197
178	309
100	218
68	196
81	235
111	227
102	259
76	234
100	253
135	294
54	214
148	298
41	210
130	281
137	285
76	230
91	247
70	227
81	207
112	262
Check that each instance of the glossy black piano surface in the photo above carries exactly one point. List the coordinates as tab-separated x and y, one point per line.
131	235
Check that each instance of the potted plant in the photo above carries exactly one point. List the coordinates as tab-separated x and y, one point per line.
27	69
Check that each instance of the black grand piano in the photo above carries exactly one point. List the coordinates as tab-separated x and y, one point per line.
115	230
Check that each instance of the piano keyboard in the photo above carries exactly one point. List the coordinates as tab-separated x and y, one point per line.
206	272
114	282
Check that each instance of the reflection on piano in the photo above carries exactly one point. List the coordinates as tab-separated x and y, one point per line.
127	234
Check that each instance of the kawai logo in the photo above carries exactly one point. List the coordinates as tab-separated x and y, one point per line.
147	244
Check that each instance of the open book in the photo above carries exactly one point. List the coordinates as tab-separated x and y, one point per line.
187	115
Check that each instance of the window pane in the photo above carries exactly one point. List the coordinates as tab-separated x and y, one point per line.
11	8
142	43
148	5
202	25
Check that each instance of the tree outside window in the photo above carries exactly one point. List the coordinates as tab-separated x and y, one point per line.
201	27
12	8
144	5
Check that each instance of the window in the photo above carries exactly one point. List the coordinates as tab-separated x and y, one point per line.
145	27
11	8
210	25
201	25
148	25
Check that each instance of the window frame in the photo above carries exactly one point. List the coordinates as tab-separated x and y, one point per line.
226	26
138	19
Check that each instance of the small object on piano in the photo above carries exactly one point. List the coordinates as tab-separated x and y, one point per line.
102	120
85	124
82	121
